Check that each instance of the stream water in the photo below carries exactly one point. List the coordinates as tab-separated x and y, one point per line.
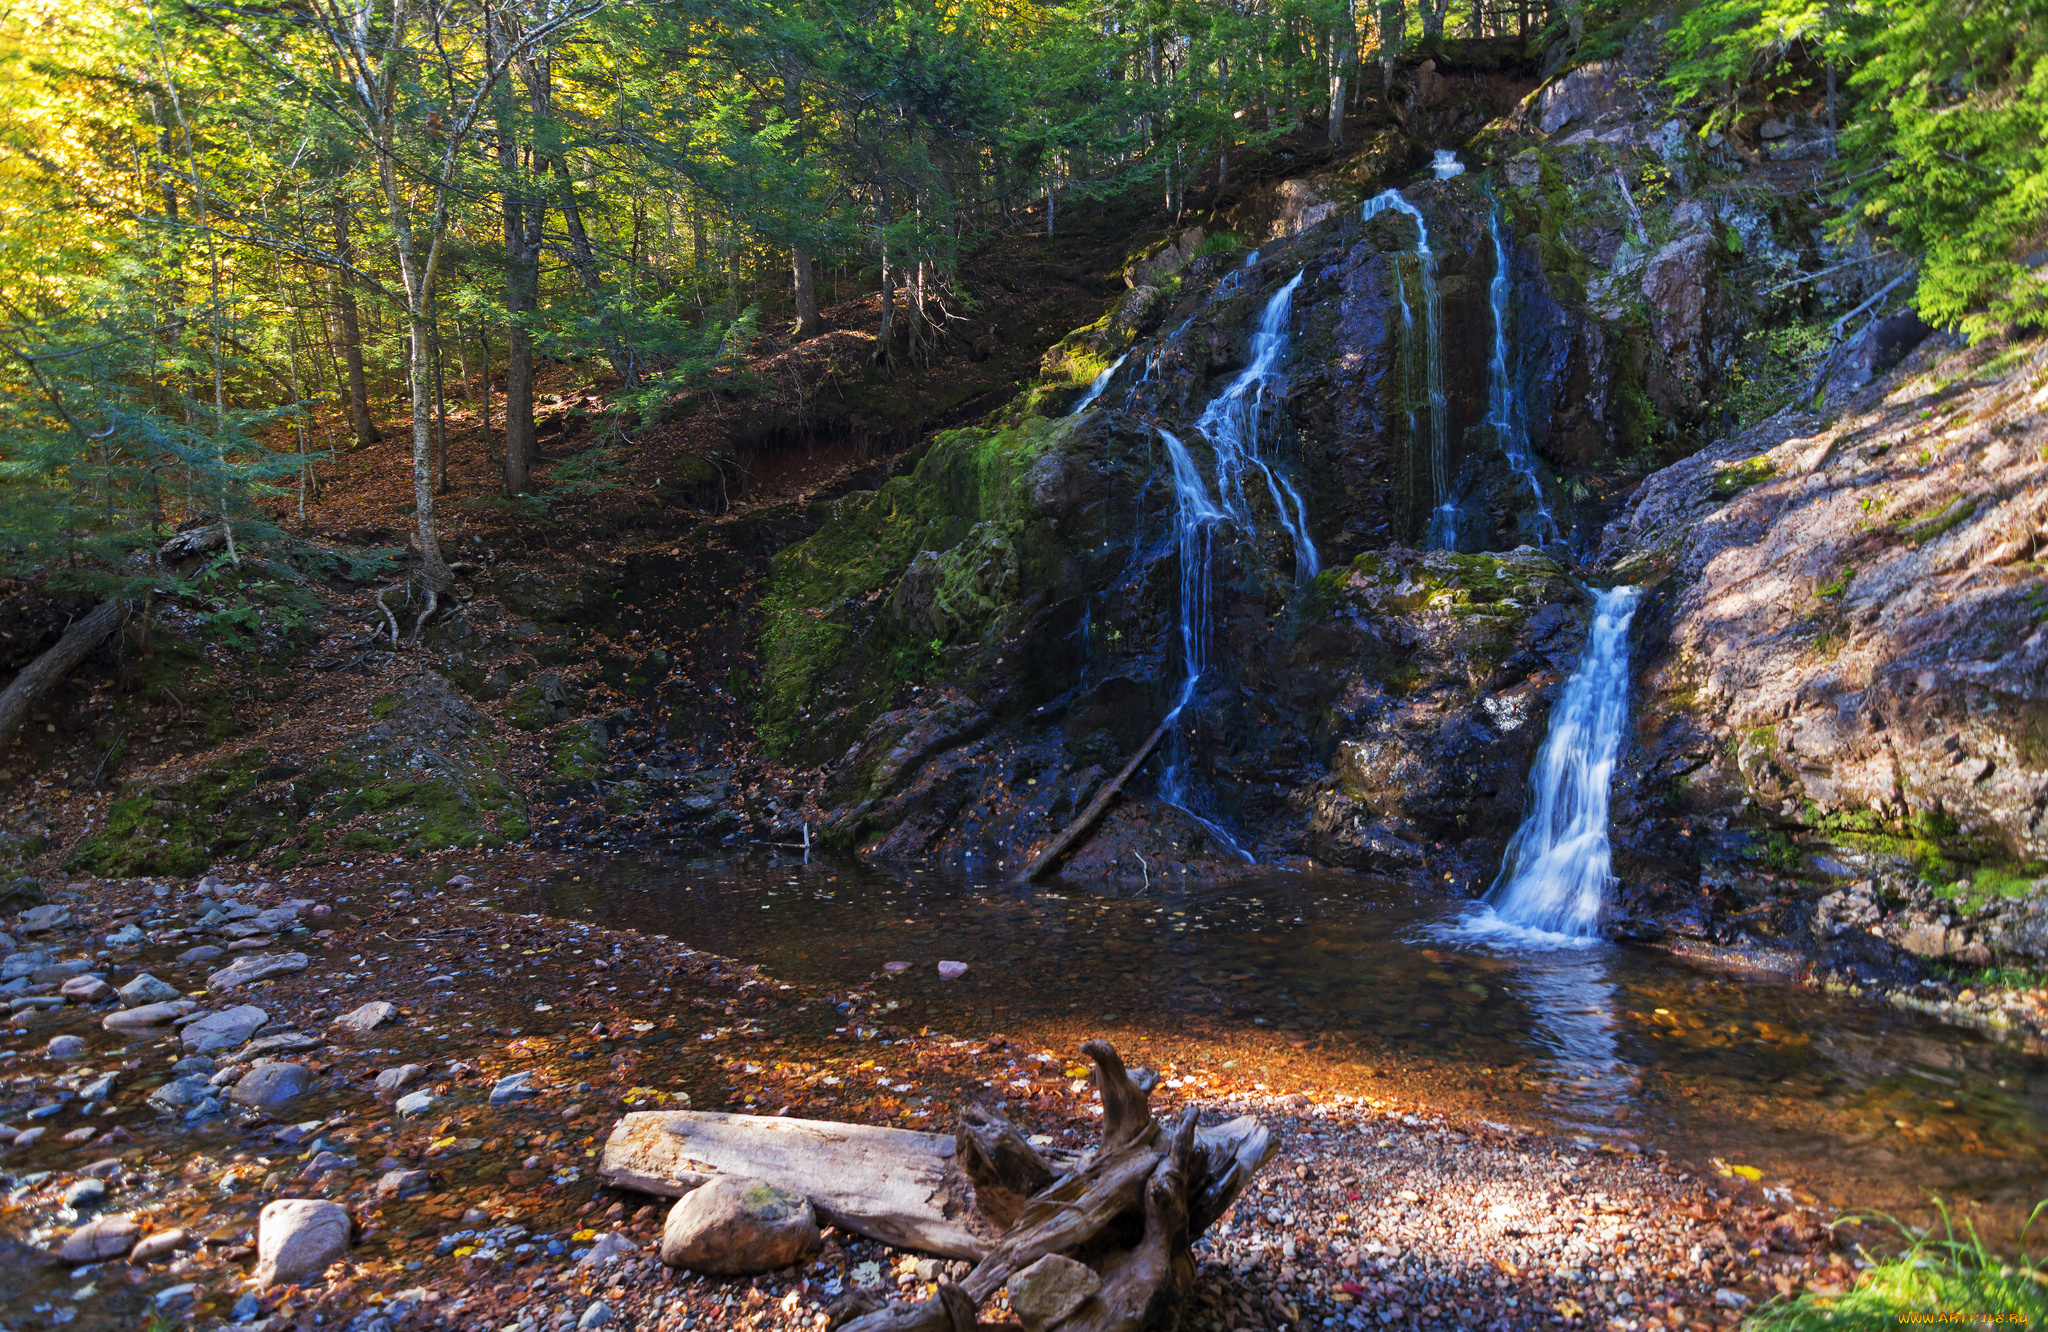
1422	364
1341	982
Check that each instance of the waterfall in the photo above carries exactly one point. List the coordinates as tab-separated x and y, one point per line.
1442	532
1231	425
1503	404
1445	164
1100	383
1553	880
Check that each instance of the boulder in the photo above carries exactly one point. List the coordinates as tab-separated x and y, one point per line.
296	1238
255	967
1050	1290
103	1237
147	1016
224	1030
269	1086
38	920
369	1016
735	1226
147	989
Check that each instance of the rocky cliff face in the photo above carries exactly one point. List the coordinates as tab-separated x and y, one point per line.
1851	653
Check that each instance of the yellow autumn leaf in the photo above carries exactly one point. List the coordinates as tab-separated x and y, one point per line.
582	1235
1570	1309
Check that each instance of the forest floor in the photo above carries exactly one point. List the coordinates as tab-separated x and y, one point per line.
1377	1210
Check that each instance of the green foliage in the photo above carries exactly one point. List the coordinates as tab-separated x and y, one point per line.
1943	110
1933	1280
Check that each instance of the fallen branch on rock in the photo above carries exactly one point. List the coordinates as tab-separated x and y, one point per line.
1085	820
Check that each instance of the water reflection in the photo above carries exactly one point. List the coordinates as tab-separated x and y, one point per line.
1368	985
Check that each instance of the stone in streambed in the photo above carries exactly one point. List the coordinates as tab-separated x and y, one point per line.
369	1016
224	1030
734	1226
159	1246
85	989
414	1103
952	970
255	967
106	1237
147	1016
1050	1290
514	1087
392	1081
296	1238
66	1047
147	989
402	1183
271	1085
203	953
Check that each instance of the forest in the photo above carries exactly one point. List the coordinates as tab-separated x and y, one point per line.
1139	664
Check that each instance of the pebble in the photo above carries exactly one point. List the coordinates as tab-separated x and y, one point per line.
148	1015
203	953
598	1314
417	1103
952	970
66	1047
85	1194
402	1183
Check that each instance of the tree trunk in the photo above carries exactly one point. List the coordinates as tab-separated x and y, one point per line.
1393	33
522	280
364	429
1340	65
39	676
803	282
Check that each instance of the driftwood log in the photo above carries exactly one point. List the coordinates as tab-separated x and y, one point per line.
1086	819
1107	1234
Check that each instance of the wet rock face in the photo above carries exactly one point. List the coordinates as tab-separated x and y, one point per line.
1853	649
1440	670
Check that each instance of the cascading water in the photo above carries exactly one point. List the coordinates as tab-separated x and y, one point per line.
1503	403
1231	425
1442	532
1445	164
1100	383
1553	880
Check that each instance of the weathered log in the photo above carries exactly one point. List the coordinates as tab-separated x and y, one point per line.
1001	1163
894	1185
1085	820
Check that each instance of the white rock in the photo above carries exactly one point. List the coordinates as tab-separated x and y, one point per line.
599	1314
611	1244
371	1015
66	1047
159	1246
952	970
296	1238
514	1087
417	1103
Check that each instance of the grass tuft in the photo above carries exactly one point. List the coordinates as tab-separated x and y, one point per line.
1954	1280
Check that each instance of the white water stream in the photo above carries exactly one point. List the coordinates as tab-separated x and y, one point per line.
1553	881
1231	425
1503	404
1096	387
